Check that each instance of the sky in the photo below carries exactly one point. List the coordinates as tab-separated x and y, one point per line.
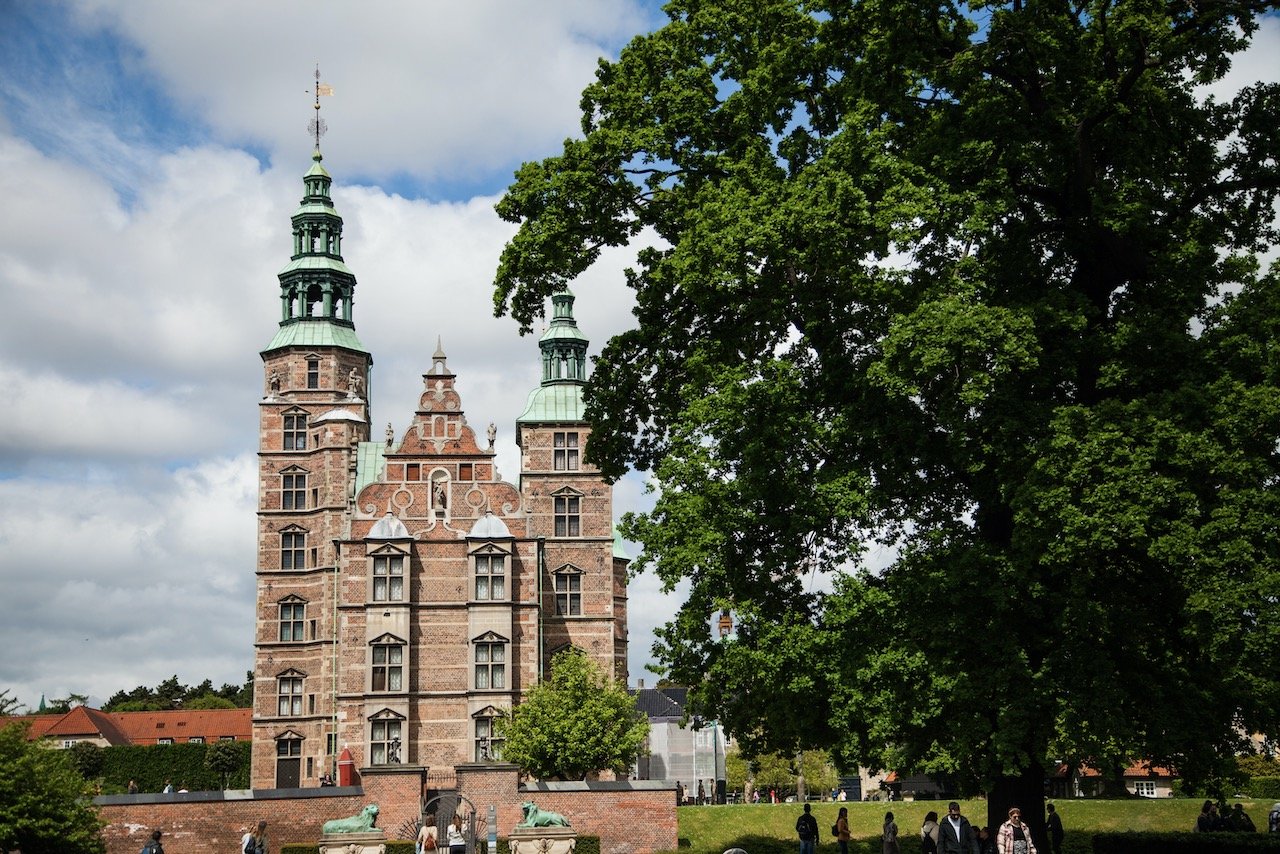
151	154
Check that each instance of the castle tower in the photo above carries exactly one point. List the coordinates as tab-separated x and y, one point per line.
312	418
407	595
584	595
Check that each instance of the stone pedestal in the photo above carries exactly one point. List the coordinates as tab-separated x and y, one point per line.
543	840
365	842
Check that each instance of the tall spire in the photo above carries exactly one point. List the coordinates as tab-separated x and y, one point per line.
317	289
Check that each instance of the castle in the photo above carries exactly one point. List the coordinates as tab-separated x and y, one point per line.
406	595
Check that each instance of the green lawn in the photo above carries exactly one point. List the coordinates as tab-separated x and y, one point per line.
770	828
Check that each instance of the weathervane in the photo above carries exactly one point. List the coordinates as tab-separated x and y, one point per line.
316	127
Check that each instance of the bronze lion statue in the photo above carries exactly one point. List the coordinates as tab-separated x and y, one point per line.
534	817
359	823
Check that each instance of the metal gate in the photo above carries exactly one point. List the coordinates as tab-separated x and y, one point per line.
441	811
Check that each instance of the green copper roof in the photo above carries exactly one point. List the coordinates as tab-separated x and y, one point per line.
556	402
618	550
315	333
370	461
316	262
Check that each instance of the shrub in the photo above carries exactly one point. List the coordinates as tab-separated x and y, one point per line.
1266	788
1183	843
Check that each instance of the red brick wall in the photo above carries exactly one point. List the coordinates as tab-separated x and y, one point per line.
630	818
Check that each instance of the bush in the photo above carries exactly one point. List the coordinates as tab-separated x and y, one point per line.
1183	843
1265	788
150	765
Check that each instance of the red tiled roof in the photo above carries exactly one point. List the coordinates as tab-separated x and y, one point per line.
1140	768
181	725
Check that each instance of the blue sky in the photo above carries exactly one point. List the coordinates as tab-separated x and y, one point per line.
151	153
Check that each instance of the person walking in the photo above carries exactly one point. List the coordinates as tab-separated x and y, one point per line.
807	830
153	845
456	836
1053	825
1273	819
427	835
842	830
889	836
256	843
929	833
955	836
1014	837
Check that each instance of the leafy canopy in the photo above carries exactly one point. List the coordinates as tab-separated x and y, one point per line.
45	805
575	723
961	304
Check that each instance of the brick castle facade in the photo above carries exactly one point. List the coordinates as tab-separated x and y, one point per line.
406	595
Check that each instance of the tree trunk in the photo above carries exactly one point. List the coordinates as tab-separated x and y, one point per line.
1026	791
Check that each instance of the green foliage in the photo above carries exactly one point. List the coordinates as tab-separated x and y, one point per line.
225	758
171	693
1253	765
44	802
975	306
86	758
1263	787
576	722
151	765
62	705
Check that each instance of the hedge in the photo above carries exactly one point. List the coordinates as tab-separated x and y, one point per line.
1184	843
182	764
1263	788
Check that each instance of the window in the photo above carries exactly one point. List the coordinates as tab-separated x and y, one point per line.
568	518
293	491
330	743
288	747
466	471
164	741
388	578
384	742
491	668
566	451
488	746
68	742
226	738
295	432
568	594
293	550
289	692
1145	788
196	739
388	667
491	583
313	373
292	617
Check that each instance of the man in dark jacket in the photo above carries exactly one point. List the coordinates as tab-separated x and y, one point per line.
1053	825
807	830
955	836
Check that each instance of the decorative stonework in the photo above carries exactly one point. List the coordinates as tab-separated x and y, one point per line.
543	840
367	842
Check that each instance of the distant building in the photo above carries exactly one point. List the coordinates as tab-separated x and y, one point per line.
107	729
679	751
407	594
1140	778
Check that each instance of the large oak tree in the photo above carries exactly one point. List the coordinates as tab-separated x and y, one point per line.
960	304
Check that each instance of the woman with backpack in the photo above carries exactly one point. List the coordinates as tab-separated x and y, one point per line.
929	833
257	841
842	830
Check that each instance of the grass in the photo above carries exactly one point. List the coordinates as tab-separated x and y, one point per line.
770	828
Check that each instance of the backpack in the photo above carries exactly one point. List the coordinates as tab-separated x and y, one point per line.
927	845
835	829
